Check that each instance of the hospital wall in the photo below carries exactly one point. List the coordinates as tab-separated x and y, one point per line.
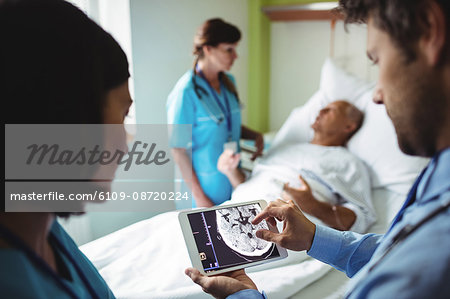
298	50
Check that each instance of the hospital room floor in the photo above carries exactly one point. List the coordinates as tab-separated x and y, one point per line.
330	286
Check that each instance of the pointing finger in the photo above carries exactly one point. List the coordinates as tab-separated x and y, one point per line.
270	211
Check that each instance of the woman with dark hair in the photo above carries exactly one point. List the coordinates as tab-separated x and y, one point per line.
58	67
206	98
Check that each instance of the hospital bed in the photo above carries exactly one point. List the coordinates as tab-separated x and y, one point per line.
146	260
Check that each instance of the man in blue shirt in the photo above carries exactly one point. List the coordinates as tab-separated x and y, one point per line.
410	41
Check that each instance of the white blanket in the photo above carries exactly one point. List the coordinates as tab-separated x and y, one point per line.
334	174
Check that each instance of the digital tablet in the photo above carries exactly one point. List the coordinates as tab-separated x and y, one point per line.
222	238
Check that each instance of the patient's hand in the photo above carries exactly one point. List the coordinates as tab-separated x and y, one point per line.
228	162
302	196
298	232
222	285
259	144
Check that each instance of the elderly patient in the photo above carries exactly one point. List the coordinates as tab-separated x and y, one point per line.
333	127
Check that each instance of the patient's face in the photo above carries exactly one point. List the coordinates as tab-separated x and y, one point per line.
332	119
410	92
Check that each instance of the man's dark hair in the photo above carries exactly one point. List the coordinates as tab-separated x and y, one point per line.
404	20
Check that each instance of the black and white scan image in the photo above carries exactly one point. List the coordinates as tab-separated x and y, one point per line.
235	227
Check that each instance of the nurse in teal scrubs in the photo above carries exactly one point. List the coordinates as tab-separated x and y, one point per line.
206	98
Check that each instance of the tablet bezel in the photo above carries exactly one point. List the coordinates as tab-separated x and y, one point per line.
192	246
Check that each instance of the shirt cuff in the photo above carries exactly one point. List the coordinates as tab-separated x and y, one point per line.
326	244
248	294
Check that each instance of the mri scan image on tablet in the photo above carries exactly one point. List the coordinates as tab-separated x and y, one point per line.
225	239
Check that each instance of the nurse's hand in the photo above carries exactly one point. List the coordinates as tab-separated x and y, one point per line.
298	232
222	285
228	165
259	144
228	162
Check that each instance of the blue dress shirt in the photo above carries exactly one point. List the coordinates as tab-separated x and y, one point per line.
417	267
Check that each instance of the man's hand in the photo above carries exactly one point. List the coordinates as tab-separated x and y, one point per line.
223	285
228	162
298	232
302	196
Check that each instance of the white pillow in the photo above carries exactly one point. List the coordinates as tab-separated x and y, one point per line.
375	143
337	84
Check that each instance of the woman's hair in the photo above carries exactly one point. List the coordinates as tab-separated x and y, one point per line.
212	33
57	64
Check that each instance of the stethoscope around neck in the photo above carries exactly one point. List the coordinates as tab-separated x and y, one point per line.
199	90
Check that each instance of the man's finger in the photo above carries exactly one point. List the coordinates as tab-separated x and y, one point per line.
271	221
269	211
268	235
303	181
288	188
196	276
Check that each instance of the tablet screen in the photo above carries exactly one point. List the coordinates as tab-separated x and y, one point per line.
226	238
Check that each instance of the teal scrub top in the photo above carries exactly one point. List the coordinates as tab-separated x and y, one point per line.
20	277
208	135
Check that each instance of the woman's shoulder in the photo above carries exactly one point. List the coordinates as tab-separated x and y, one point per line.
185	82
184	88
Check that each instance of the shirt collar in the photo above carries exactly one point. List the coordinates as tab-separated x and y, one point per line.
436	179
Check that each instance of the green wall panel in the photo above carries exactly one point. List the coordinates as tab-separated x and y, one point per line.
259	61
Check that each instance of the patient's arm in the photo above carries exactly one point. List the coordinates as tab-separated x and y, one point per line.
247	133
185	164
228	165
337	217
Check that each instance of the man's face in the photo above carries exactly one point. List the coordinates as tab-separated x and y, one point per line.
332	119
410	92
